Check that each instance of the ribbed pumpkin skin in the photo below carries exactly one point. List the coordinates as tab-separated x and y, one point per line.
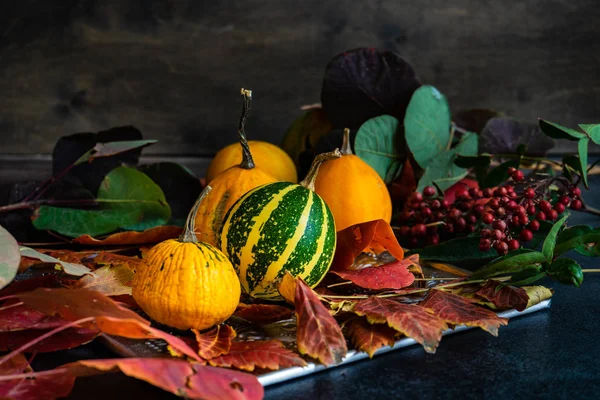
354	191
276	228
227	188
267	156
186	285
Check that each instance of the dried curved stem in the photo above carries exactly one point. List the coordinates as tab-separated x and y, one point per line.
247	160
309	181
189	231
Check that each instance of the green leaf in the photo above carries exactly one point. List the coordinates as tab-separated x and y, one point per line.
427	124
515	261
591	250
112	148
550	242
456	251
9	257
575	237
593	130
582	148
479	163
527	276
375	143
557	131
566	271
67	267
499	174
129	199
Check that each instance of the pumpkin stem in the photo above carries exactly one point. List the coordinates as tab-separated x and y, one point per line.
247	161
346	148
189	234
309	181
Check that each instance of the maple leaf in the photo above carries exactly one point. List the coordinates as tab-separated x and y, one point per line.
394	275
409	319
457	310
318	333
64	340
504	297
287	287
108	280
215	342
373	236
369	337
264	354
152	235
262	314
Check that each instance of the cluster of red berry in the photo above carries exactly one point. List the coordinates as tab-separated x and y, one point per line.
504	217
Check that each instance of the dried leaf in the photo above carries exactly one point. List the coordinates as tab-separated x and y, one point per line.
9	257
394	275
457	310
318	333
261	314
215	342
15	365
45	386
22	317
105	258
537	294
409	319
189	380
152	235
504	297
373	236
26	285
67	339
264	354
110	281
68	267
287	287
369	337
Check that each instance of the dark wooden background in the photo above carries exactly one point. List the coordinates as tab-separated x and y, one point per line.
174	68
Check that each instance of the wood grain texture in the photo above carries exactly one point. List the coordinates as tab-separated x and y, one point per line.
174	68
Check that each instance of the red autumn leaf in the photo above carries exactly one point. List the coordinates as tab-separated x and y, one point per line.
318	333
373	236
152	235
215	342
46	385
466	183
108	280
18	317
409	319
394	275
262	314
26	285
189	380
457	310
505	297
264	354
369	337
405	185
67	339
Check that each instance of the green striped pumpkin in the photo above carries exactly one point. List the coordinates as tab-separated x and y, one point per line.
275	228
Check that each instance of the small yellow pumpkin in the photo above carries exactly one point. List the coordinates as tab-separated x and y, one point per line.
353	190
187	284
230	185
267	156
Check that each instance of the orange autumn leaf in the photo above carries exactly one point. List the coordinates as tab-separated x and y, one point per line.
373	236
504	297
318	334
457	310
110	281
369	337
152	235
264	354
409	319
287	287
261	314
215	342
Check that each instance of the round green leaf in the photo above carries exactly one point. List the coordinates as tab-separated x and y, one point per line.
9	257
375	144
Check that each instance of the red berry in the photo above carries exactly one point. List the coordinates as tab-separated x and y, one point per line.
564	200
513	244
576	205
413	242
486	233
416	196
496	234
460	224
426	212
500	212
545	206
414	204
529	193
454	213
435	204
509	188
534	226
531	210
521	210
552	215
487	218
501	248
504	200
526	235
461	193
511	170
513	195
445	204
479	209
471	219
523	219
488	192
429	191
501	191
541	216
518	176
462	205
511	205
418	230
499	224
485	244
433	240
474	193
439	216
404	230
449	228
576	191
515	220
559	207
494	204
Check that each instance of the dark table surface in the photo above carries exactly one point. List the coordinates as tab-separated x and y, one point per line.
553	353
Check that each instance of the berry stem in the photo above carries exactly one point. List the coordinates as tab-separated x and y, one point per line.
590	270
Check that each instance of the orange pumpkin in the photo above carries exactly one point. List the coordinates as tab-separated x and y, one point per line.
353	190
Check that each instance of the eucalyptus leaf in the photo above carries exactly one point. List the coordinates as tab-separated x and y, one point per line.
9	257
550	242
575	237
69	268
582	148
129	200
375	144
504	135
593	130
515	261
427	124
557	131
